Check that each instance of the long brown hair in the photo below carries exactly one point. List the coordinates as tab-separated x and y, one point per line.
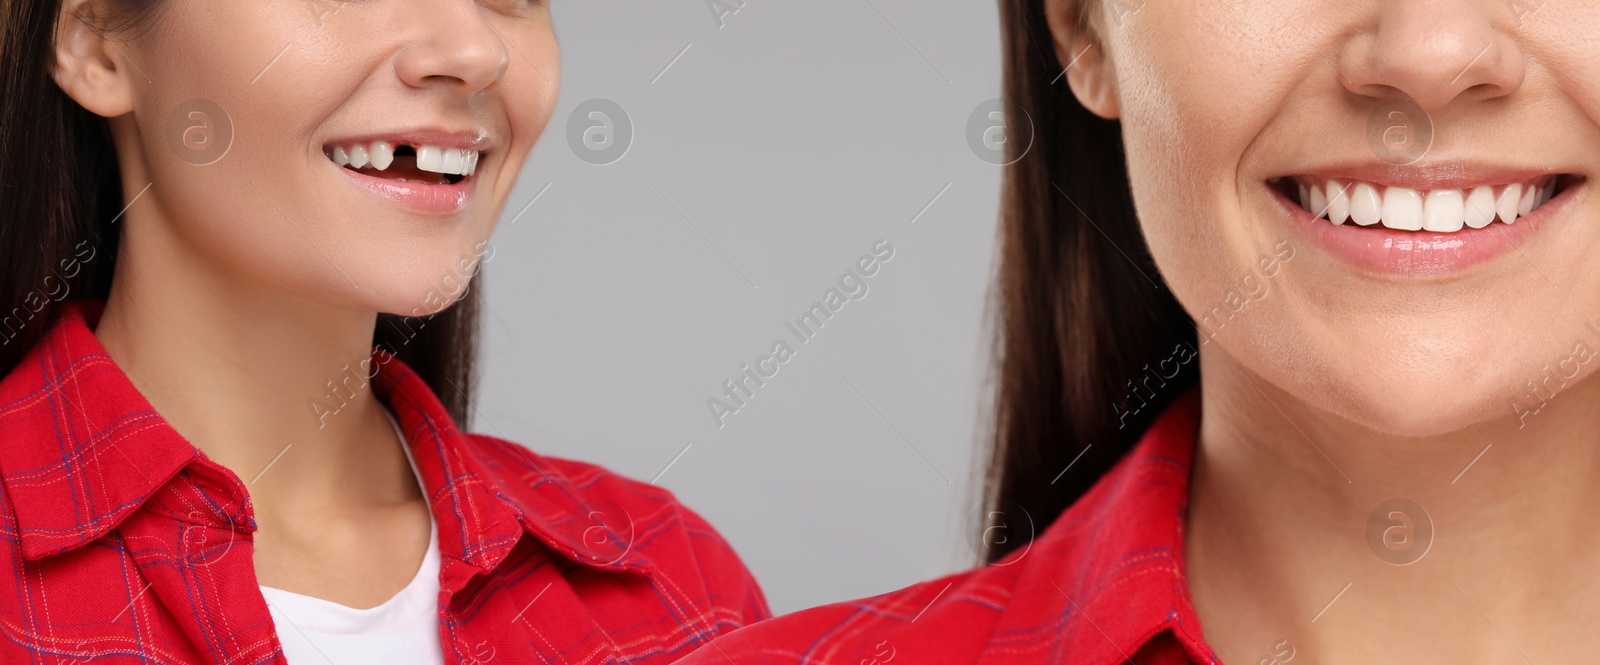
60	197
1079	309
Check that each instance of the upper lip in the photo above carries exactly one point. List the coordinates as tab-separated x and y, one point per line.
1430	175
464	139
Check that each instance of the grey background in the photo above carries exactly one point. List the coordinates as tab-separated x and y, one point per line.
792	138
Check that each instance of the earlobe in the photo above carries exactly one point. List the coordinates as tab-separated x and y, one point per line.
85	67
1091	82
1088	70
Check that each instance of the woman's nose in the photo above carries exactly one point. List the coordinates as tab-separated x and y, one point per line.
457	47
1435	51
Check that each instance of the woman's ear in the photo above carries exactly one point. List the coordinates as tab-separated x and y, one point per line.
88	67
1080	51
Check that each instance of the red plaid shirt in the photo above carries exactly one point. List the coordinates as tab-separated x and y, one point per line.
1103	585
127	544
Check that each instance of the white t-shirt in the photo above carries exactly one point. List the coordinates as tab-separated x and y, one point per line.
404	630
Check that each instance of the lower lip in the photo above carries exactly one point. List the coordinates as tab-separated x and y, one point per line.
1388	251
418	197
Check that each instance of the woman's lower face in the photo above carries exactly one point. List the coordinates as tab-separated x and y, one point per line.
1427	165
355	153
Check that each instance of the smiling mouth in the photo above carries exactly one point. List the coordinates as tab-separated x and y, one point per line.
403	162
1367	204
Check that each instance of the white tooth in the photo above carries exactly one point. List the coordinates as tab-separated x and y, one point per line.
472	162
382	154
340	157
1338	202
1525	204
1305	197
1480	207
452	161
430	158
358	156
1402	209
1443	210
1319	201
1506	204
1366	207
1547	191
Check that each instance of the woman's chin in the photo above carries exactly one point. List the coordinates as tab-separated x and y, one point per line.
424	308
1424	408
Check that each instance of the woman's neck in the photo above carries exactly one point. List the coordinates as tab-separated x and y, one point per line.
271	387
1309	534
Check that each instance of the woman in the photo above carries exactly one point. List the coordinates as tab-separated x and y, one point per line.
212	213
1371	224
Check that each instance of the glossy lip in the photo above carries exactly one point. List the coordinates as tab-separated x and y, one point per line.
421	198
1385	251
416	197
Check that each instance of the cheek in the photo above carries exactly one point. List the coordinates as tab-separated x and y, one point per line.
531	87
1188	119
216	134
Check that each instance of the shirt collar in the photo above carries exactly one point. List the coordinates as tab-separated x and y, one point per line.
1116	557
85	449
487	491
